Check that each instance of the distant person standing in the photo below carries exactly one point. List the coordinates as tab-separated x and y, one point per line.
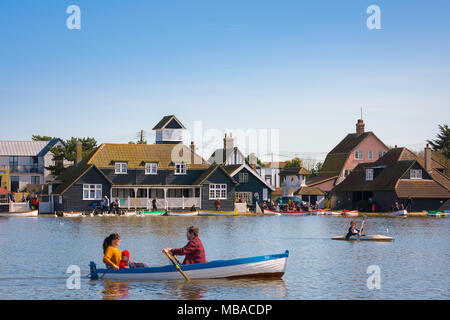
154	208
105	204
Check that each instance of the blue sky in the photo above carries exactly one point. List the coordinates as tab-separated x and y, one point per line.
304	67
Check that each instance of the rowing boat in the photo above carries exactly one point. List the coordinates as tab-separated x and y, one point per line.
289	213
217	213
268	266
398	213
151	213
72	214
350	213
374	237
335	213
271	212
30	213
182	213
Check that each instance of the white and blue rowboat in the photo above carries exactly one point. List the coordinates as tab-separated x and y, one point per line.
268	266
31	213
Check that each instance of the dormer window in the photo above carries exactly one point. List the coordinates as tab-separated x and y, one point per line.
121	168
151	168
415	174
369	174
180	168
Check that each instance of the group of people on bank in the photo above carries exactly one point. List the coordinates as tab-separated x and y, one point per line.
33	201
116	259
104	206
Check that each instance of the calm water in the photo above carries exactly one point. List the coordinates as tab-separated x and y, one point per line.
35	253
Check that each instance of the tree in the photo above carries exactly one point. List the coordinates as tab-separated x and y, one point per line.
36	137
294	163
258	161
442	142
315	171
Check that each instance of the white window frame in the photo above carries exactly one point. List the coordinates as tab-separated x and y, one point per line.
95	188
369	174
121	168
381	153
180	168
217	191
415	174
151	168
357	153
243	177
370	155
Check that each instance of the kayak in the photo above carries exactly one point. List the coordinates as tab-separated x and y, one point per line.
271	212
217	213
350	213
398	213
31	213
182	213
374	237
151	213
268	266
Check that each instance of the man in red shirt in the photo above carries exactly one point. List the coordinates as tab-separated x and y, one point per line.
193	250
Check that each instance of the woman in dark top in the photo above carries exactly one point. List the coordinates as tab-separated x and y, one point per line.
352	231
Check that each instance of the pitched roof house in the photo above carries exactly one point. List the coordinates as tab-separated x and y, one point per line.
171	172
355	148
399	176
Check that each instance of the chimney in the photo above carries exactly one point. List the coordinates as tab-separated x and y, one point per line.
427	157
79	151
360	127
192	152
228	142
252	159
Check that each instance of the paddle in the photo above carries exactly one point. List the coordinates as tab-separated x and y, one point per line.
171	258
362	226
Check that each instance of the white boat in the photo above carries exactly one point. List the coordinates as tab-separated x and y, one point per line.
182	213
268	266
129	214
217	213
398	213
334	213
30	213
350	213
320	212
374	237
271	212
71	214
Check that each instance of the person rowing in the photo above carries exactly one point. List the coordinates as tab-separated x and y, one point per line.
352	231
193	250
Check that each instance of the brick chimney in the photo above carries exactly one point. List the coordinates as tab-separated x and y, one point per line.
427	157
192	152
228	142
360	127
79	151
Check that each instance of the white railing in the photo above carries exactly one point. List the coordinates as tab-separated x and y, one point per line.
19	206
133	203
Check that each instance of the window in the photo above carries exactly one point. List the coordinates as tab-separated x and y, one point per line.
180	168
369	174
381	153
347	172
92	192
151	168
243	177
370	155
35	180
244	196
217	191
265	194
358	155
121	168
415	174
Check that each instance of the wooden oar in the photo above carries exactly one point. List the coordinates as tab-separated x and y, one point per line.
171	258
362	226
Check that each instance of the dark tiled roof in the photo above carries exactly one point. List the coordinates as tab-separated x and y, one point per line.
294	171
313	191
210	171
231	168
166	120
421	189
350	142
333	165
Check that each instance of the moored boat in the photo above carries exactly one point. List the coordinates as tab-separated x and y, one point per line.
335	213
217	213
267	266
374	237
72	214
398	213
151	213
30	213
437	214
271	212
182	213
350	213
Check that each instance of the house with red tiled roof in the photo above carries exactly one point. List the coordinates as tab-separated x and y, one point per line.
398	176
354	149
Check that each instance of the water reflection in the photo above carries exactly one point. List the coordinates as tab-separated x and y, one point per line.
115	290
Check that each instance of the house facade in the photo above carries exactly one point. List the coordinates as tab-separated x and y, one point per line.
23	163
399	176
169	172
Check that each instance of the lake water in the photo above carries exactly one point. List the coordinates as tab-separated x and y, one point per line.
36	252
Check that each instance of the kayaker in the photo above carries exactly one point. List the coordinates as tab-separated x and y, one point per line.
352	231
112	255
193	250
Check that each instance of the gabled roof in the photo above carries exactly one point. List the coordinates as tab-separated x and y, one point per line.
22	148
210	171
313	191
234	169
223	155
50	144
312	181
165	121
294	171
136	155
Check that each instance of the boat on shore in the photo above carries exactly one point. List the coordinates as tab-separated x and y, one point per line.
335	213
374	237
71	214
30	213
350	213
269	212
182	213
288	213
267	266
398	213
217	213
437	214
150	213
